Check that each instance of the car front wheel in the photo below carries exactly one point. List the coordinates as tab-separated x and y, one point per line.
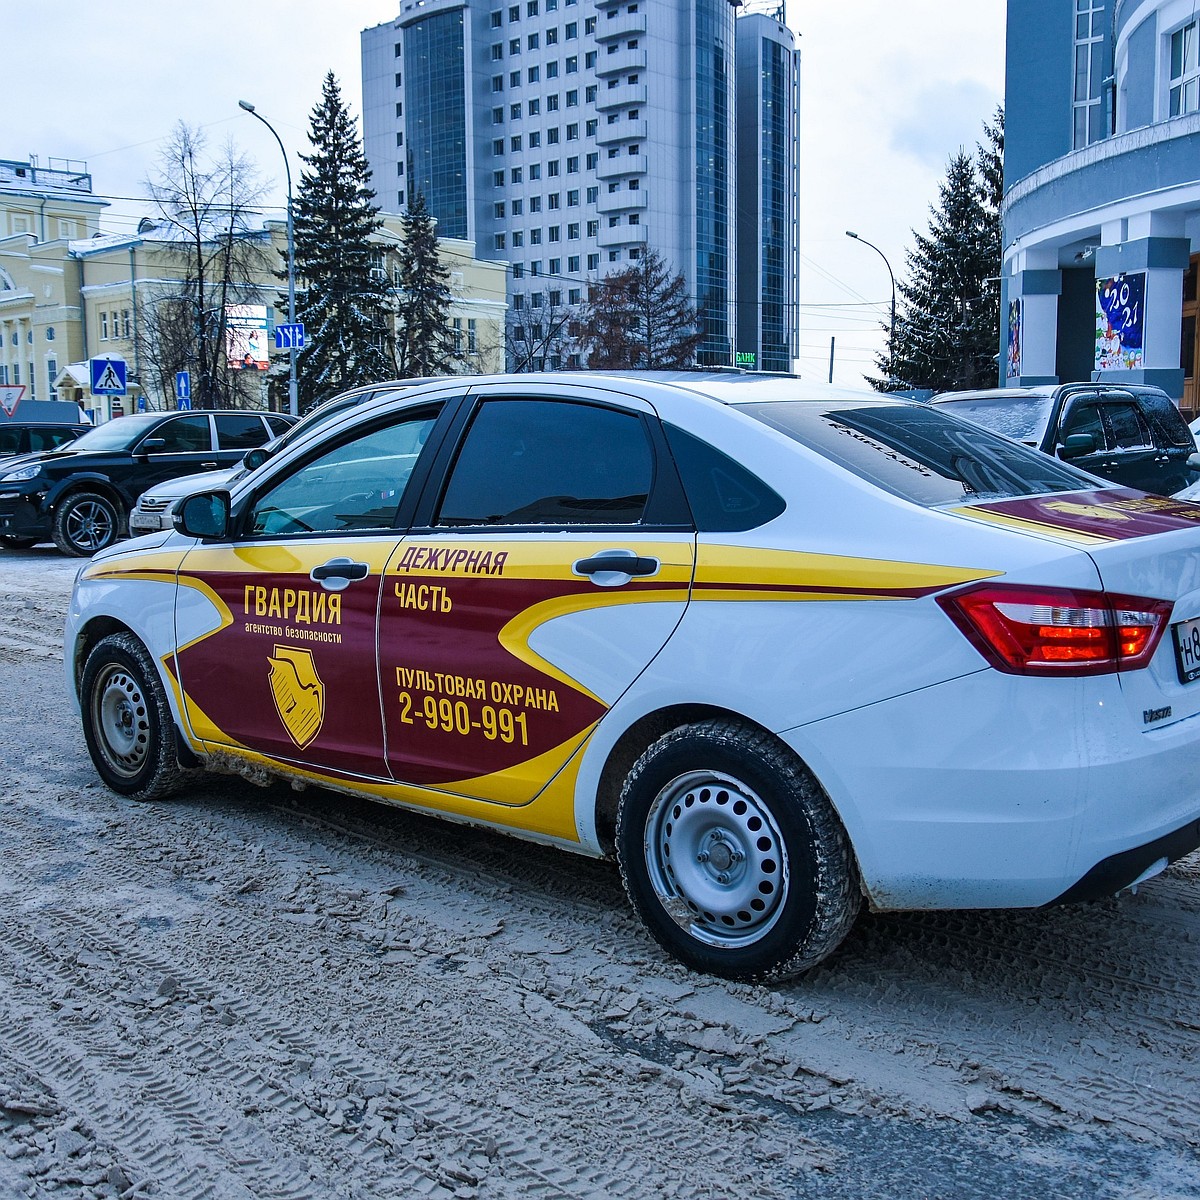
86	522
732	854
127	721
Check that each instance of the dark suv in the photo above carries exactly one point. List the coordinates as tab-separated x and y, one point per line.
81	494
1131	435
28	437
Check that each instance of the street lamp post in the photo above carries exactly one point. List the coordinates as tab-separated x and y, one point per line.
892	335
293	393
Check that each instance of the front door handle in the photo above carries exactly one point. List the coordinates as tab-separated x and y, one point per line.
211	466
338	573
616	562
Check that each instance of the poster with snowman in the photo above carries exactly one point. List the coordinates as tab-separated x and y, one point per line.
1120	321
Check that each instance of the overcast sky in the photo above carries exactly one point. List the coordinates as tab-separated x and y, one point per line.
889	92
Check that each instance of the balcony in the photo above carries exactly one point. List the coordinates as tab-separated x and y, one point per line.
622	235
622	25
621	131
620	63
622	201
623	164
616	97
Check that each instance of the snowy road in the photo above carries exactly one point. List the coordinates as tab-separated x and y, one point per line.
257	993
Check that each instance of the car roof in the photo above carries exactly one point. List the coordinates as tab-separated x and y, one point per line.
1039	391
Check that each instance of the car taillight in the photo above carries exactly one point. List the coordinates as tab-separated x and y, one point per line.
1058	631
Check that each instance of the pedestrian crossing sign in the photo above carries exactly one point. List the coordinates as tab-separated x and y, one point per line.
108	376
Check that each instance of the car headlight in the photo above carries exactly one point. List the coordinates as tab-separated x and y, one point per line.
22	474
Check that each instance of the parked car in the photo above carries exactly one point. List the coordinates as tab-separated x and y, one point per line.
156	506
1131	435
774	646
28	437
80	494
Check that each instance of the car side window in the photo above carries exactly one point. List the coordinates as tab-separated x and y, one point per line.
357	485
240	431
10	440
48	439
1083	418
1129	429
181	435
539	462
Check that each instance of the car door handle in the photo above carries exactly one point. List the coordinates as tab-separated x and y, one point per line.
616	562
337	573
210	466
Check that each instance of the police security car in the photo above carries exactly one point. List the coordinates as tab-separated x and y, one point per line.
779	649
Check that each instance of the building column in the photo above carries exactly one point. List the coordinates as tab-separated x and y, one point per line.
1029	320
1153	268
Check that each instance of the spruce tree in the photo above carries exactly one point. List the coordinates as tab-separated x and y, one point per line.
947	328
345	307
424	342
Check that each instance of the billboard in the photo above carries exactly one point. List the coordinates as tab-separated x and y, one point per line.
1014	339
246	337
1120	321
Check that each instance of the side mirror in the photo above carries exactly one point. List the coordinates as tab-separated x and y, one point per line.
1077	445
151	444
1193	462
204	516
253	459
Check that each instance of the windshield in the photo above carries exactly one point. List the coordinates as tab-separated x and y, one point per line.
119	434
1022	418
919	452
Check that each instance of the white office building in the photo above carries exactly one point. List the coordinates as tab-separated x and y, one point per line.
565	137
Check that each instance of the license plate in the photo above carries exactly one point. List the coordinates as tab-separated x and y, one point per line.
1187	649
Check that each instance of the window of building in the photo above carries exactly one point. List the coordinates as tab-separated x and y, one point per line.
571	30
573	98
472	336
634	253
516	175
614	152
593	160
554	234
555	294
634	184
572	64
613	186
399	79
573	235
497	118
518	271
591	94
514	79
498	210
593	194
551	37
589	59
500	241
535	73
514	142
497	146
552	70
104	327
535	107
635	218
532	41
535	171
535	269
552	167
1089	124
497	179
497	84
613	222
635	148
589	24
634	113
531	9
496	18
593	228
514	12
1185	70
497	53
535	204
573	198
552	136
514	46
518	238
593	261
518	300
126	323
518	208
573	165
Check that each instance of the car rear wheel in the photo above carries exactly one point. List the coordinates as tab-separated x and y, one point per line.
10	542
86	522
127	721
732	854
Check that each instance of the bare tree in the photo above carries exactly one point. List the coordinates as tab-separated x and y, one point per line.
538	336
641	317
207	205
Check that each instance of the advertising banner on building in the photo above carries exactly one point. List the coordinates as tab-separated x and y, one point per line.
246	337
1120	322
1014	338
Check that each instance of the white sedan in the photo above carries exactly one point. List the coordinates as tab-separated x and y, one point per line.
779	649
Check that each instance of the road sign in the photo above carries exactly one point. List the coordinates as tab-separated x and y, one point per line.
108	376
183	385
184	403
289	337
141	404
10	396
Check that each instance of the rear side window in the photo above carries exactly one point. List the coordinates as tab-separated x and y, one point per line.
1129	430
10	440
1165	419
724	497
539	462
919	452
240	431
48	439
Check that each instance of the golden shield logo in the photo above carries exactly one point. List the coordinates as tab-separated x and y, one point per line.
1094	512
298	692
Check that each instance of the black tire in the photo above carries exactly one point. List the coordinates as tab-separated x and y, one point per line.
127	721
86	522
762	883
11	542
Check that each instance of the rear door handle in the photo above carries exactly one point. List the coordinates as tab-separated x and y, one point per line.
616	562
338	573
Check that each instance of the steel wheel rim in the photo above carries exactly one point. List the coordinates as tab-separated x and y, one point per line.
121	720
716	859
90	525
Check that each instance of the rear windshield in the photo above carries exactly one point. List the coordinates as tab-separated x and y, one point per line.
1022	418
919	452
